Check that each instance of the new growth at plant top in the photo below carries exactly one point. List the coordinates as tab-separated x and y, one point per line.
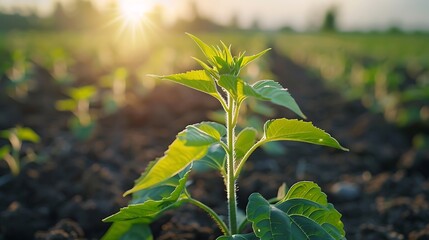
300	212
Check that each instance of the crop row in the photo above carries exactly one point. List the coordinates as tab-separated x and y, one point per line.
388	73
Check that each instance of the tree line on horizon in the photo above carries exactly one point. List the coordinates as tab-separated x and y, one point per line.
81	15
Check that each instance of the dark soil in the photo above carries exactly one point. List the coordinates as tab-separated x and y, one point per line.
381	186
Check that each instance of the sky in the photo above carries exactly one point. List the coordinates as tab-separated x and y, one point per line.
299	14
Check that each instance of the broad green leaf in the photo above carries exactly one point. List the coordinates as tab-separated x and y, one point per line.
215	157
245	140
202	134
248	236
183	151
248	59
128	231
298	130
154	201
160	191
307	199
199	80
82	93
269	90
306	190
305	216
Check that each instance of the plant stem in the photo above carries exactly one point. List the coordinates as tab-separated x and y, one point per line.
230	188
222	226
13	163
246	156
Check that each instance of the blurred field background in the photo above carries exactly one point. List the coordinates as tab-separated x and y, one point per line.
69	67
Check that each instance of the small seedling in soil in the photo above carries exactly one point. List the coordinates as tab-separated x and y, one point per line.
81	123
20	77
301	212
11	152
117	84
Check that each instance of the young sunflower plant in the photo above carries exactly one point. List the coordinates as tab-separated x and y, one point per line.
301	212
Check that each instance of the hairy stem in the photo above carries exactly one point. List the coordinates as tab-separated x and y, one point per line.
230	188
222	226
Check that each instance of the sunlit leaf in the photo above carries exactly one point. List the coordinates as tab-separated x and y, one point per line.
4	150
201	134
191	144
205	66
215	158
66	105
27	134
248	59
22	133
82	93
300	131
269	90
245	140
236	86
199	80
208	51
152	202
128	231
307	217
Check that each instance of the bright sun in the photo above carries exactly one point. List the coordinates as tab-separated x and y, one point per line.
133	11
133	16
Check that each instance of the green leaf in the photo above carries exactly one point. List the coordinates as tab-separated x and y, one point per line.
248	236
82	93
208	51
199	80
306	215
300	131
149	204
236	86
269	90
22	133
248	59
128	231
66	105
201	134
4	150
27	134
215	157
183	151
245	140
205	66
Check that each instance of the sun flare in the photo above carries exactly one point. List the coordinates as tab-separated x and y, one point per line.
133	11
134	18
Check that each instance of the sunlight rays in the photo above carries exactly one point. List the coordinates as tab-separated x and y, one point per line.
133	18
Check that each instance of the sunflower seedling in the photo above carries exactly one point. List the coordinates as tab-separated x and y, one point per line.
302	212
11	152
81	124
